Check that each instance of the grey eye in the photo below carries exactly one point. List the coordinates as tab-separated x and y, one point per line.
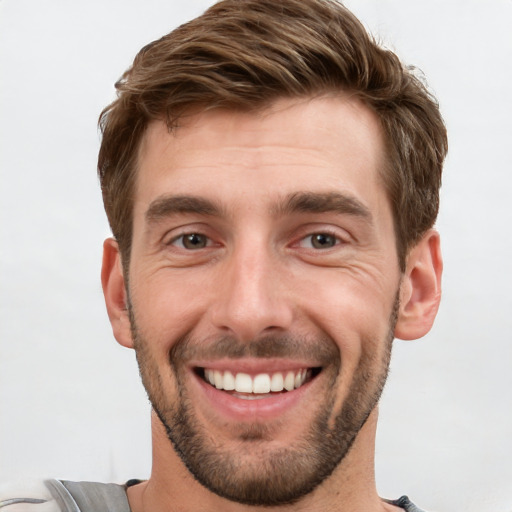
323	241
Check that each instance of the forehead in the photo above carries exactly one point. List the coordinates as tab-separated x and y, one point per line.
305	144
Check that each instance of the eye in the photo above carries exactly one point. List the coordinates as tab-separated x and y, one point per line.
319	241
192	241
323	240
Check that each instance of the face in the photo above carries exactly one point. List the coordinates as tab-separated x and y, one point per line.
263	287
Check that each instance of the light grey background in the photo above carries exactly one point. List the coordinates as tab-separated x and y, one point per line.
71	405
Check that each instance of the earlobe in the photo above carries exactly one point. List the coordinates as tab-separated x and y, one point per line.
114	291
420	290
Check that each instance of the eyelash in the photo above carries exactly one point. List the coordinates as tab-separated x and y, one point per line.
183	237
309	238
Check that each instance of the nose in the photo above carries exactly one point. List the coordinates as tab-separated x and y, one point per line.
253	298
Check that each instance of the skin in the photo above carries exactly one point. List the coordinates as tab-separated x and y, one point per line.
260	275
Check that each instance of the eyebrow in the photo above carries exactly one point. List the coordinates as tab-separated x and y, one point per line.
299	202
324	202
170	205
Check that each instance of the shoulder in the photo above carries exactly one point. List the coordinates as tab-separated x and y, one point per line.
62	496
405	503
91	496
34	496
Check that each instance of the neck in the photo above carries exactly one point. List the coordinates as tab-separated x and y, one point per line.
171	486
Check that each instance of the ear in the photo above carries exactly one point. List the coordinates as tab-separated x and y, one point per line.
114	290
420	290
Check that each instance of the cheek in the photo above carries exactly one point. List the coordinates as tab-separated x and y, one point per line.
166	306
353	308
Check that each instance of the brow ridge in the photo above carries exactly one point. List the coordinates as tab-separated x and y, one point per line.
165	206
298	202
323	202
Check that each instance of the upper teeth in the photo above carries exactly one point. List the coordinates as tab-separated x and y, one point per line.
261	383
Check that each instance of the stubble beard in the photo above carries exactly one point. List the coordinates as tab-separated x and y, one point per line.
267	476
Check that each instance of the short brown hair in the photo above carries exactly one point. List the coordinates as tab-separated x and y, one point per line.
244	54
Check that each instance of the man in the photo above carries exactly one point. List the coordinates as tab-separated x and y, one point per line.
271	178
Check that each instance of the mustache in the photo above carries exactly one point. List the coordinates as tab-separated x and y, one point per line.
322	350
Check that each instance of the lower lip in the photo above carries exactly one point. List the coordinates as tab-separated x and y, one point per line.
248	410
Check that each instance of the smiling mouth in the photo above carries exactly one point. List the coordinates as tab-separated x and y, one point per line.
262	385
